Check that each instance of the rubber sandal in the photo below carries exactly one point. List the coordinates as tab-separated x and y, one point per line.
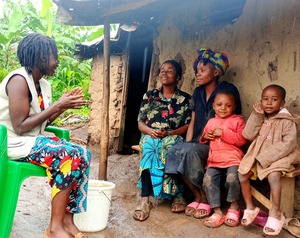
80	235
178	201
191	208
215	220
292	225
232	215
275	225
202	207
249	216
145	208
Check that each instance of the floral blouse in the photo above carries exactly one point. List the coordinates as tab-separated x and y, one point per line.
159	112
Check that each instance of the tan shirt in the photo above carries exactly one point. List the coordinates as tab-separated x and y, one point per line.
274	144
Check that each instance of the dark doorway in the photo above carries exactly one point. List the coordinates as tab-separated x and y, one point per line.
140	55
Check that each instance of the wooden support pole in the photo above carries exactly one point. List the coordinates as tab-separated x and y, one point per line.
104	141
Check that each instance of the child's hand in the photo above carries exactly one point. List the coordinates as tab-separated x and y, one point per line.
209	135
257	107
217	132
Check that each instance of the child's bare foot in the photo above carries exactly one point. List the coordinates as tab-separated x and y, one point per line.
275	213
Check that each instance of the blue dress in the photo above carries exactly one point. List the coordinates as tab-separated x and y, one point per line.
159	112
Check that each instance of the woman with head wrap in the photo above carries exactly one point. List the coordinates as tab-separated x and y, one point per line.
163	120
189	158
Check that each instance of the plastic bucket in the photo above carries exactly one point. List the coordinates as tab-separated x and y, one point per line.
98	204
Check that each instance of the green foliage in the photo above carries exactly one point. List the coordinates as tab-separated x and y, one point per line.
22	18
70	74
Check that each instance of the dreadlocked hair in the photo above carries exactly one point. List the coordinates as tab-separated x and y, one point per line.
34	50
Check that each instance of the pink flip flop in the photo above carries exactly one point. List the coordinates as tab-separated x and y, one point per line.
275	225
191	208
202	207
249	216
214	221
232	215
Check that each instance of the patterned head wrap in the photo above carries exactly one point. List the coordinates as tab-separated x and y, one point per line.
219	60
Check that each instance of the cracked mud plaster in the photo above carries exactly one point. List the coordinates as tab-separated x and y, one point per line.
273	70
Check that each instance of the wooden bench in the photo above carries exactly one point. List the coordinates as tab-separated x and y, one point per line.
287	194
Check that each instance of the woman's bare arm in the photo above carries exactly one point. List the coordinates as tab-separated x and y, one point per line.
19	106
190	130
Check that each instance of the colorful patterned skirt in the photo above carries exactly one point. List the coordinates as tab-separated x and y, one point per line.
66	164
154	156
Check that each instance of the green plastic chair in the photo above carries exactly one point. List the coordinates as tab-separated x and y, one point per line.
12	174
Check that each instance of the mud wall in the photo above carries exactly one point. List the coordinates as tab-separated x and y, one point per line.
263	46
117	80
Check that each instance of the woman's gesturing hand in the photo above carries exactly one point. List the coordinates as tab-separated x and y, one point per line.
72	99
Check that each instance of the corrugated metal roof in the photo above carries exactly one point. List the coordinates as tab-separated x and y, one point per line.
146	14
88	50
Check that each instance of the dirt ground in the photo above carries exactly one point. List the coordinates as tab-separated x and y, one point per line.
33	210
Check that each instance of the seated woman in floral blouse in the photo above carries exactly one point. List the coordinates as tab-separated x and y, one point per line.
163	120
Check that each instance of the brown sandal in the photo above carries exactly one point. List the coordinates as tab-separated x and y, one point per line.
178	201
144	208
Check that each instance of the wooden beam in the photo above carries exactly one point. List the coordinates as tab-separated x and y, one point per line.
293	173
104	141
